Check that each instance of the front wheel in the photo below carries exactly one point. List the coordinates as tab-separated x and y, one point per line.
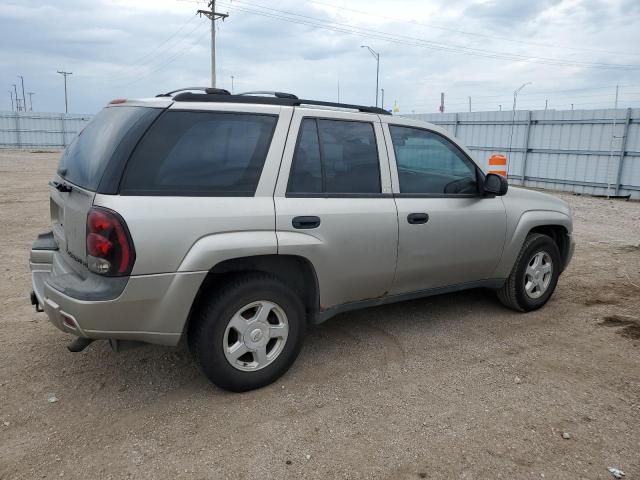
534	276
249	333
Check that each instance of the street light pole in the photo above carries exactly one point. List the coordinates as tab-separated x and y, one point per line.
382	99
232	83
24	100
64	74
376	55
513	121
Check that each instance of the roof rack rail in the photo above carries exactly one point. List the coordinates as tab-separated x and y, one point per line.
275	94
207	90
275	100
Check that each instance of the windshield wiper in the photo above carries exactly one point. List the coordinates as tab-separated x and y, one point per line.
60	186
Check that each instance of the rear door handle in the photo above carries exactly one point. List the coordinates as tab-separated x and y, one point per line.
306	222
417	218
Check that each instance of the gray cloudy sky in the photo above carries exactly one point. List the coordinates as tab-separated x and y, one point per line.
573	51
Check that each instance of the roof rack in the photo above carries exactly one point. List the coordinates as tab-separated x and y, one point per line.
275	94
208	90
279	99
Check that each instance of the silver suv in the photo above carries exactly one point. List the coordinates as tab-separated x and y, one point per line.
239	220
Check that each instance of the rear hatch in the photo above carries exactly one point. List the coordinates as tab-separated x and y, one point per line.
99	151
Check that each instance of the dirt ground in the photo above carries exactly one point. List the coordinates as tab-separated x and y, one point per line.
446	387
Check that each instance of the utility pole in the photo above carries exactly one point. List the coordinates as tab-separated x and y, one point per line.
572	106
500	107
231	83
64	74
546	104
382	100
31	94
338	91
469	104
24	101
213	16
441	102
11	95
15	90
376	55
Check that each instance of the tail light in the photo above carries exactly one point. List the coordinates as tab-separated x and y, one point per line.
109	247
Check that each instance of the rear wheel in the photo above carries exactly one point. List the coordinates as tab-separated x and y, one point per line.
249	333
534	276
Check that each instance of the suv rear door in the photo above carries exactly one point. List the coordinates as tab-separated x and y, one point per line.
334	204
449	232
82	166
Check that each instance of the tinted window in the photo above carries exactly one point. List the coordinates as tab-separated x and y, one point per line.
86	157
306	171
200	153
335	156
429	163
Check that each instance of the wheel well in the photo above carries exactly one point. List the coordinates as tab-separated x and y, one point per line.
559	235
294	271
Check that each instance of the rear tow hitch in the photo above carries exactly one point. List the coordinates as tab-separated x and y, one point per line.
79	344
34	302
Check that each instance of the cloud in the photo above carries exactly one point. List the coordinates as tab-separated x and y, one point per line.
118	48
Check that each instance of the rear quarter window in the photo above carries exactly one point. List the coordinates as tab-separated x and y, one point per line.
85	159
200	153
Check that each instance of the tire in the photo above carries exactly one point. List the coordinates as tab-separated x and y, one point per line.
234	319
514	293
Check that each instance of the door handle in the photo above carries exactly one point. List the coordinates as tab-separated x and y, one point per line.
306	222
417	218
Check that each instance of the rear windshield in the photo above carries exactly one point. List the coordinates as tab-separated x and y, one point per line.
200	153
86	157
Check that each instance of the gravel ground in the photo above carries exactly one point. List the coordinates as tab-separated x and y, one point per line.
454	386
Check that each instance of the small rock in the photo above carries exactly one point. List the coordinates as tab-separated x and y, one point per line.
566	435
518	380
288	462
308	457
616	472
51	398
6	424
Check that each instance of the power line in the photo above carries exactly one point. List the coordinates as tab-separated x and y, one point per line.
463	32
140	69
413	41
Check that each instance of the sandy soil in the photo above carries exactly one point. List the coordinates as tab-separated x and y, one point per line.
448	387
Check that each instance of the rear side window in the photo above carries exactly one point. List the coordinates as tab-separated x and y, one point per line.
85	159
335	157
200	153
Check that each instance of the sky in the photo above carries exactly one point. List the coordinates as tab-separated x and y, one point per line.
571	51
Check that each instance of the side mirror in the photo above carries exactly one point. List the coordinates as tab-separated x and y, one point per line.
495	184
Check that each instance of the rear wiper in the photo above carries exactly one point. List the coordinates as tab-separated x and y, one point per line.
61	187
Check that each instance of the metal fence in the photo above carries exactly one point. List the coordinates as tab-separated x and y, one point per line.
586	151
595	152
39	130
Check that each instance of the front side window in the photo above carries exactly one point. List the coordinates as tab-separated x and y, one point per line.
335	157
200	153
430	164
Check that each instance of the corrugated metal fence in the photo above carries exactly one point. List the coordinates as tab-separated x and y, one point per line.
39	130
586	151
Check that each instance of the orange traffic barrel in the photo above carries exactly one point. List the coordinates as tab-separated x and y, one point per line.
498	164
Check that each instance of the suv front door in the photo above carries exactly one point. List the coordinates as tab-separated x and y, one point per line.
334	204
449	233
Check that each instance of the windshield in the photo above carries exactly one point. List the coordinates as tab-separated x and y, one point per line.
86	158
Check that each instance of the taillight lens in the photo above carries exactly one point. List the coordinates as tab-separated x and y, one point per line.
109	246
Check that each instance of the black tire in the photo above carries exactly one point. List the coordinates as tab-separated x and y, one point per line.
207	330
513	293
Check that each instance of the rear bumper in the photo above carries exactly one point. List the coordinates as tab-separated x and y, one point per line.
146	308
